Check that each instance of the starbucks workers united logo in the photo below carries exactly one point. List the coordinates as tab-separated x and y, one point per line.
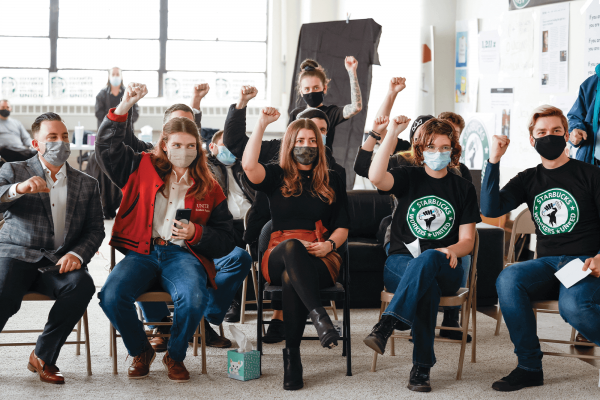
430	217
555	211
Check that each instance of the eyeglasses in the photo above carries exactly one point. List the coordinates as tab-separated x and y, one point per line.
433	149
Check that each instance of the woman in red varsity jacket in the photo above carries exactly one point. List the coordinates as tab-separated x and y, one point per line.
309	211
159	250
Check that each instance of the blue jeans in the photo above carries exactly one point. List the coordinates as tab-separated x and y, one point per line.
180	274
523	282
466	264
417	284
231	272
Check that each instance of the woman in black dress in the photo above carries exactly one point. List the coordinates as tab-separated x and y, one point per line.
310	221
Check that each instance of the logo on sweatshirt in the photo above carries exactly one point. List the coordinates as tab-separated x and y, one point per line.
555	211
475	146
430	218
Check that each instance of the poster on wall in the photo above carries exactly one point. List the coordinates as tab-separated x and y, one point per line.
554	49
476	139
23	84
519	4
224	87
74	85
516	45
489	52
501	105
592	38
466	75
426	97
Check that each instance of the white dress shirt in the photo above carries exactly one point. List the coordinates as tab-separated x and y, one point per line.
58	202
167	204
236	202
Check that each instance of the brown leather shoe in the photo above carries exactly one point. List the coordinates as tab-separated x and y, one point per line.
47	373
140	366
214	340
159	344
582	339
176	371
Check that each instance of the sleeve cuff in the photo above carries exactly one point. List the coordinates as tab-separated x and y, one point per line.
76	255
116	118
12	194
197	236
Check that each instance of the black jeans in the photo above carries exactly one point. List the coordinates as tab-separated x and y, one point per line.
301	276
72	291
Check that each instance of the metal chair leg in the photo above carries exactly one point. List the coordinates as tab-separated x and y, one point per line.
474	324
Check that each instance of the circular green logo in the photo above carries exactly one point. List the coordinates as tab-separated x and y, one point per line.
474	143
555	211
520	3
430	217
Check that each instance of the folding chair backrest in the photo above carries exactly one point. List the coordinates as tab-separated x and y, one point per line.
265	237
523	225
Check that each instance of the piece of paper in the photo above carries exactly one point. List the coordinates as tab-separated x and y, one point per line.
501	100
516	45
489	52
466	75
554	49
572	273
414	248
591	56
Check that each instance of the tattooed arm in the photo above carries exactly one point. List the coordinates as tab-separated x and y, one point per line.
350	110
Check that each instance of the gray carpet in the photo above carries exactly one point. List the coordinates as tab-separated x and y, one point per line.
324	370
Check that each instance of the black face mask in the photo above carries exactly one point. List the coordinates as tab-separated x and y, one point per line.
4	113
306	155
550	146
313	99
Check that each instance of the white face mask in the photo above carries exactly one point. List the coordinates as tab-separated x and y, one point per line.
182	158
115	80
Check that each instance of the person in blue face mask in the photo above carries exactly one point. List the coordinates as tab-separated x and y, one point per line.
432	228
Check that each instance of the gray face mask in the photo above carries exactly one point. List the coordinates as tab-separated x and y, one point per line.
306	155
182	158
57	153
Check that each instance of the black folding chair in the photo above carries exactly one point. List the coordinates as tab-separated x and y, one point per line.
339	292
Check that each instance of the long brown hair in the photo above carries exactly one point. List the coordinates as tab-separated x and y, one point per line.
198	169
292	183
436	127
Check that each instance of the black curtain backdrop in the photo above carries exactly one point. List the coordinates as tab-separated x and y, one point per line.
329	43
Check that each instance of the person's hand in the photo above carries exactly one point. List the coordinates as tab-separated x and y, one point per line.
201	90
380	125
134	93
268	115
499	145
450	255
397	85
68	263
320	249
594	265
247	93
351	64
35	184
577	135
398	125
186	232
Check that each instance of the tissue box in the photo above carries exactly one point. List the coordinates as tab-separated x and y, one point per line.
243	366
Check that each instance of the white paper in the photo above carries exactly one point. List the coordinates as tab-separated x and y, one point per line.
591	49
516	44
414	248
501	100
554	48
572	273
244	344
489	52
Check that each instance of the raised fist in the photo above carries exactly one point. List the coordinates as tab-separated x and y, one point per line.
380	125
428	216
201	90
351	63
499	145
134	93
268	115
398	125
397	85
247	93
35	184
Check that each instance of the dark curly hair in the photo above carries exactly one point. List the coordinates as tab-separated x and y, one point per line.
431	128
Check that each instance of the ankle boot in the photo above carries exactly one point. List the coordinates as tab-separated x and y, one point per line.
292	369
328	335
451	317
377	339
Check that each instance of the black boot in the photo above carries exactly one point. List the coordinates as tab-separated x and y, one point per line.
275	332
328	335
451	320
419	379
518	379
377	339
233	314
292	369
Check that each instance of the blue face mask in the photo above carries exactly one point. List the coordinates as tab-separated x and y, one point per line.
438	160
225	156
324	137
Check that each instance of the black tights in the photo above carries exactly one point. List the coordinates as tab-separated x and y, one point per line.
301	277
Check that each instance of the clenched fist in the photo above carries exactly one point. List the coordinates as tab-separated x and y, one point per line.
247	93
268	115
134	93
380	125
35	184
499	145
351	64
577	135
397	85
398	125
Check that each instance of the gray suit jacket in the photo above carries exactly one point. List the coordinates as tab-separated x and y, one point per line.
27	234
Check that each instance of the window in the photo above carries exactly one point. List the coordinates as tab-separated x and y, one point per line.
108	53
25	52
35	24
216	56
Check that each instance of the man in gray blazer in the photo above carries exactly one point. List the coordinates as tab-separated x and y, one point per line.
53	217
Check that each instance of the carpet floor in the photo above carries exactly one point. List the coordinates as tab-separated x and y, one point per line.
324	370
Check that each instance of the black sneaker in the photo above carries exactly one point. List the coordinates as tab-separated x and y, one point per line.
275	332
519	379
233	314
419	379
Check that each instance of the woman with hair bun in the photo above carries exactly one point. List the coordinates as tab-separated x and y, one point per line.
312	86
310	220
